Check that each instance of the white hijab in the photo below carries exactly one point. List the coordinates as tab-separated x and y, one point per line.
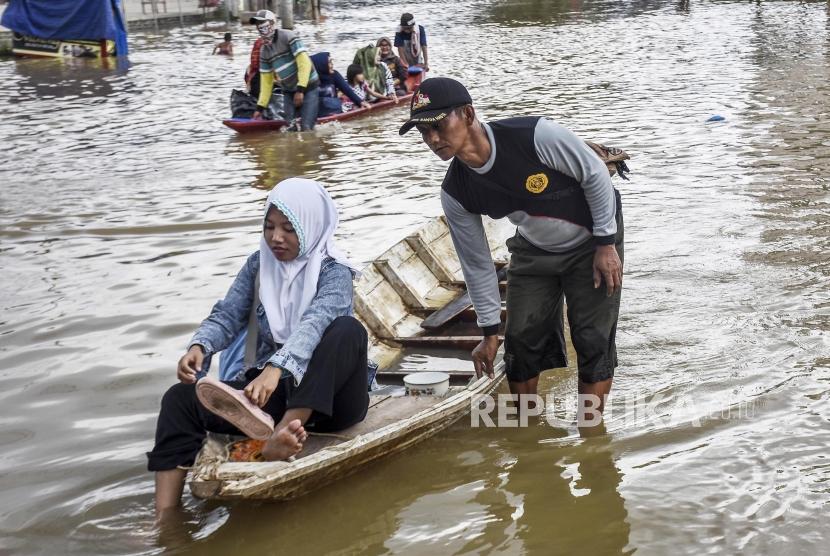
287	287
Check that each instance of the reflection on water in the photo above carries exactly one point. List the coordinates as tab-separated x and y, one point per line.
559	12
283	156
460	493
71	78
126	208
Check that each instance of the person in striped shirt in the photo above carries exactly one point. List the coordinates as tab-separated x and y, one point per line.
284	58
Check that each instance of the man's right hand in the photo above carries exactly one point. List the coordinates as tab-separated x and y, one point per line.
484	355
365	104
257	115
607	268
190	364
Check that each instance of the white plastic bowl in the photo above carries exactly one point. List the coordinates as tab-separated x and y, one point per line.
430	383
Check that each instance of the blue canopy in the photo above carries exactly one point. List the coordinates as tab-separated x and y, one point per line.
68	20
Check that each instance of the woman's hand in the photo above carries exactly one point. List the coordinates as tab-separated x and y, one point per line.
190	364
395	98
260	389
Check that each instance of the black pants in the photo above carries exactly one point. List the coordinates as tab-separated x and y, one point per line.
534	335
334	387
254	85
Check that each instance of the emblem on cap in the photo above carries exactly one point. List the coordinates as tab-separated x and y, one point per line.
536	183
419	101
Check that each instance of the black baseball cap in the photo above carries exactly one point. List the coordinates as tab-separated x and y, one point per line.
434	99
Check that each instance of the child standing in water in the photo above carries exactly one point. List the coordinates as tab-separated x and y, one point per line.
306	367
225	47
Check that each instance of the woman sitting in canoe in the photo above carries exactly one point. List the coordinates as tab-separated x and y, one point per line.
331	81
307	354
396	68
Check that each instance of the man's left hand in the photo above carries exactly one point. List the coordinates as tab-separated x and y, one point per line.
298	99
608	267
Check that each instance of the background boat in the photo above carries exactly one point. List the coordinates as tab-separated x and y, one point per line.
67	28
247	125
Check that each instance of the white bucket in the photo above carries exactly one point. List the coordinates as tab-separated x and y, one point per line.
430	383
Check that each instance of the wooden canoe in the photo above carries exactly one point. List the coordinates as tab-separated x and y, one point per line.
411	280
247	125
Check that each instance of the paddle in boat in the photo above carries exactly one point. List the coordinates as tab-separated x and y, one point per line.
247	125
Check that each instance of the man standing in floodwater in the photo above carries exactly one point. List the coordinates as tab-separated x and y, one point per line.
284	59
569	237
411	42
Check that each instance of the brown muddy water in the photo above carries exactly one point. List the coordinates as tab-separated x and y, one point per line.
126	208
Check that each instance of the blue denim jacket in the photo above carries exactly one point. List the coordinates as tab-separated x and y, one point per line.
230	316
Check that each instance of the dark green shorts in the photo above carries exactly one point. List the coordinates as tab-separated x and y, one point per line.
537	280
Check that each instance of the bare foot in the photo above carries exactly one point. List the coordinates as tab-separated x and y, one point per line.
286	442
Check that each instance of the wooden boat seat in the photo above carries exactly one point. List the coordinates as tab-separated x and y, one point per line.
459	304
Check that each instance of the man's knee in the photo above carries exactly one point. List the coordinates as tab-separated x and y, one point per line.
522	332
590	338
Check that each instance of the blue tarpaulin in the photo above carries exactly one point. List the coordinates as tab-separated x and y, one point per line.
68	20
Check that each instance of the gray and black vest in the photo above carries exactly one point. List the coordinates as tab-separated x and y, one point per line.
518	180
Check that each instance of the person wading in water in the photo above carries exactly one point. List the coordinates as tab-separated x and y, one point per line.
569	237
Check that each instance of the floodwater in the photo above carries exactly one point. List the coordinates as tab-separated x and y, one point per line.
126	208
